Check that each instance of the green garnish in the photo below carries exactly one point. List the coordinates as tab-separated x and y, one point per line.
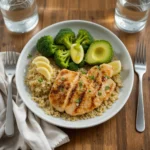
112	94
61	89
83	72
40	80
98	67
29	56
78	101
107	87
62	78
89	91
92	77
80	84
99	93
107	77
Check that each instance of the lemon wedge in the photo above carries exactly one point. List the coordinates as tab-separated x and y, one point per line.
77	53
40	58
44	64
44	72
116	65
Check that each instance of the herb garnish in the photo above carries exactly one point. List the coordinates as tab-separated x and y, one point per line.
99	93
83	72
61	89
78	101
107	77
40	80
29	56
89	91
62	78
98	67
107	87
92	77
80	84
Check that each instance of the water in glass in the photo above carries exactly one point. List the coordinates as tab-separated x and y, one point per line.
19	15
131	15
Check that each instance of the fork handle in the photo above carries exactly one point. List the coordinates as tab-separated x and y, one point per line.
9	126
140	119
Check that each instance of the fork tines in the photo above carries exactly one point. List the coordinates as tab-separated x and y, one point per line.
140	57
10	57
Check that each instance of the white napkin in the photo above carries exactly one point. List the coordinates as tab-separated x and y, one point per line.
30	131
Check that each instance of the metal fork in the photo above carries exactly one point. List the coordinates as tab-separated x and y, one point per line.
10	62
140	69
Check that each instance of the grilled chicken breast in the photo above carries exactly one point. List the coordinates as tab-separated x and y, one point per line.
77	95
97	87
82	93
61	89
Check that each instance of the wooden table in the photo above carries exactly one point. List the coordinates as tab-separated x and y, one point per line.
119	132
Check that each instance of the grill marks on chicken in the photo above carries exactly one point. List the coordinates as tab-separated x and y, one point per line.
62	87
82	93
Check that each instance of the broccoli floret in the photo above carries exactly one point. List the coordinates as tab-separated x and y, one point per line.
62	58
65	29
84	38
45	46
73	66
65	37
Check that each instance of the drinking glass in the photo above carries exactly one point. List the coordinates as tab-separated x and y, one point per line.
19	15
131	15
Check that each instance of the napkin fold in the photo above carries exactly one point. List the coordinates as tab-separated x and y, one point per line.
30	131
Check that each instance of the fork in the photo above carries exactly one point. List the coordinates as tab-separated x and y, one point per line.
10	61
140	69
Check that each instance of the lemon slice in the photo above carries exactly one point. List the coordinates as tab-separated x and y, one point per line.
40	58
43	64
77	53
44	72
116	65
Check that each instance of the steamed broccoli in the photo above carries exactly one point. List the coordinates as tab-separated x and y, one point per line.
73	66
45	46
84	38
62	58
65	37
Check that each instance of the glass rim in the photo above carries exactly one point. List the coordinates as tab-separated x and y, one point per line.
18	3
135	4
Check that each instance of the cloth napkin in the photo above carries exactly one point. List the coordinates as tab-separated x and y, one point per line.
30	131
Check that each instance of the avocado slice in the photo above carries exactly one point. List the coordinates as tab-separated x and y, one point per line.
100	51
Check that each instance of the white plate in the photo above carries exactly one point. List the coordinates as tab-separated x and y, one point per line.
98	32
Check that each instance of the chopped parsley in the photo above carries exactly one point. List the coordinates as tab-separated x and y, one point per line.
40	80
107	87
83	72
29	56
107	77
89	91
61	89
99	93
80	84
98	67
112	94
92	77
62	78
78	101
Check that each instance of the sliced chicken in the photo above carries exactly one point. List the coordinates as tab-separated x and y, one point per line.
96	88
62	88
78	94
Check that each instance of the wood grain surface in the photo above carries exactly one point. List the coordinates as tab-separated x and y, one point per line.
119	132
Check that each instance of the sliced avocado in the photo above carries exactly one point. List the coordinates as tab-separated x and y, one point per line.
100	51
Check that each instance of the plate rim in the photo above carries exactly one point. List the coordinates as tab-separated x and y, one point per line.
83	126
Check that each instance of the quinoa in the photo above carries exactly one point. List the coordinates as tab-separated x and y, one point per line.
39	88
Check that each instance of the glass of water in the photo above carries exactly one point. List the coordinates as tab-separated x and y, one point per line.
19	15
131	15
